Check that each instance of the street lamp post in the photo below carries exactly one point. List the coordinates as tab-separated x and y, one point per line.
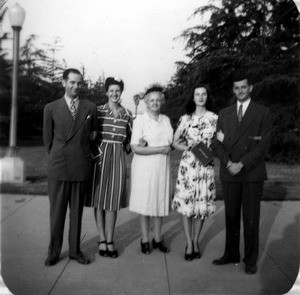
16	17
12	167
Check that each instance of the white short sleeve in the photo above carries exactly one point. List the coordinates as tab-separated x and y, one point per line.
137	130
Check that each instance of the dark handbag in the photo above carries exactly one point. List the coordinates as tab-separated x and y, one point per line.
202	153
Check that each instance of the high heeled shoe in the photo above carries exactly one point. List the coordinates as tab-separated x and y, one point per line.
160	246
145	247
189	256
113	253
103	253
197	255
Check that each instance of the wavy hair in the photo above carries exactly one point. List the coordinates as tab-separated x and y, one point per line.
191	106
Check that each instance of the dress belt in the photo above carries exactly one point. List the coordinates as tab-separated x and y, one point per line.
111	141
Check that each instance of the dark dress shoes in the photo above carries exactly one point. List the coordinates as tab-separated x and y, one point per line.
160	246
145	247
189	256
226	260
51	260
197	255
112	253
250	270
102	252
81	259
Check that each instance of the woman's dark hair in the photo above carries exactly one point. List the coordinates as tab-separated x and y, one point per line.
191	106
113	81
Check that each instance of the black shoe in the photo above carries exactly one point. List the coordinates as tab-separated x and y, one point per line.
113	253
225	260
250	270
189	257
197	255
81	259
51	260
160	246
145	247
103	253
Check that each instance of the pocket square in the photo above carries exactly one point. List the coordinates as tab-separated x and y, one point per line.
255	137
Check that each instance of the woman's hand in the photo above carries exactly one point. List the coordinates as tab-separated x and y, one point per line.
220	136
165	149
143	142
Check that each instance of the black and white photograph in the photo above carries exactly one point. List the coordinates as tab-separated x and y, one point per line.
150	147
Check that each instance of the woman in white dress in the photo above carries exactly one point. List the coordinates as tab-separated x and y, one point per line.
195	191
151	139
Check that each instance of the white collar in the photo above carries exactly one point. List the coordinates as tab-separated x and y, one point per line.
68	100
245	105
149	118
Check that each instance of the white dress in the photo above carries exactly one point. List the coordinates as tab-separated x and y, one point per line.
150	174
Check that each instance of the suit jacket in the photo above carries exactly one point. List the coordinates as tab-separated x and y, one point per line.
68	141
246	142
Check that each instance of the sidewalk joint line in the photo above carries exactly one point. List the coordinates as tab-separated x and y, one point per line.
63	269
55	283
168	279
25	203
276	263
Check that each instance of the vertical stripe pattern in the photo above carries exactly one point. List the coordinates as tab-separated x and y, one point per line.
108	191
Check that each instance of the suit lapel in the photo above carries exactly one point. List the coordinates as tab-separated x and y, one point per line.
65	117
80	118
249	116
233	120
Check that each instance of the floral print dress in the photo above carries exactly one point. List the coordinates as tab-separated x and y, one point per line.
195	191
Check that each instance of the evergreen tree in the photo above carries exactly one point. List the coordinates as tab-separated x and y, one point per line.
259	36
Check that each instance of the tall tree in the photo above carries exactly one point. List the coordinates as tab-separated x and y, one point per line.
260	36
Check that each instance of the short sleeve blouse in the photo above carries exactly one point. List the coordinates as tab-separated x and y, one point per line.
156	133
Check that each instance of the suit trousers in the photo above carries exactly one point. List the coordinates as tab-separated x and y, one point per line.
62	194
245	197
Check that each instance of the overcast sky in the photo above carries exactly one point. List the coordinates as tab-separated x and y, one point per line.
131	39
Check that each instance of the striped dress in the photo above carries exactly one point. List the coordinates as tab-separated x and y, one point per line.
108	190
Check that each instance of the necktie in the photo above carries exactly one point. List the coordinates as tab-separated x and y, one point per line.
73	109
240	113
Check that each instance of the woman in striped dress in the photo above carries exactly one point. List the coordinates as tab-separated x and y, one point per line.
109	173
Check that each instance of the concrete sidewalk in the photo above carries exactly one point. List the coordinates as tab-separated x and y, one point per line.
25	237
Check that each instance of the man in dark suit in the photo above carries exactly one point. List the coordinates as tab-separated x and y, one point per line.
69	123
243	140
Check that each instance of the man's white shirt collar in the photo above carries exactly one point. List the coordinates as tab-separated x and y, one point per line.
245	105
68	101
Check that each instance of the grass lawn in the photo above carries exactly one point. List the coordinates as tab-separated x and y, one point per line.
283	183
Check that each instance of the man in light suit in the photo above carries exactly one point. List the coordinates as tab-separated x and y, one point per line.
243	140
69	123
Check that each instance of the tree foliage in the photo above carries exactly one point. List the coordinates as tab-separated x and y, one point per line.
40	75
259	36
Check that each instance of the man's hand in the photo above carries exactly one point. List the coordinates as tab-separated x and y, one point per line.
234	168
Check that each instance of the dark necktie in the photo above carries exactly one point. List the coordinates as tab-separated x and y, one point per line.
73	109
240	113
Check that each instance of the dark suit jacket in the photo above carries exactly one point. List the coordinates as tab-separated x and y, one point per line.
247	142
68	141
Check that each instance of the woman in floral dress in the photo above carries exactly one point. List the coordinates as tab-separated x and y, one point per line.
195	191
